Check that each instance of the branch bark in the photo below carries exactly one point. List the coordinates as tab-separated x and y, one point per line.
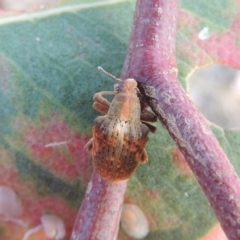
151	61
100	211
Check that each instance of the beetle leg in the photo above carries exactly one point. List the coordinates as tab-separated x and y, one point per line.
101	104
147	116
100	108
88	146
152	128
144	157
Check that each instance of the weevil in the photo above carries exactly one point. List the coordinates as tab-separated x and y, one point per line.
120	136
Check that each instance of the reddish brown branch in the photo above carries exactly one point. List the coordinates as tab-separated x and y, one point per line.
99	215
151	61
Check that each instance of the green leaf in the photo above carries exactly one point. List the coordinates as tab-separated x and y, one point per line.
48	66
207	33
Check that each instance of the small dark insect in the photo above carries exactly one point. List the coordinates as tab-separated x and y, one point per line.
119	137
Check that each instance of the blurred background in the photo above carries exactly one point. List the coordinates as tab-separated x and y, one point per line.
215	90
27	5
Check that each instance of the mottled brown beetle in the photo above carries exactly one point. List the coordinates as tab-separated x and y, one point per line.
120	136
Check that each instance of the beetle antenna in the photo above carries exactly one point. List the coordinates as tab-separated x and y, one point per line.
109	74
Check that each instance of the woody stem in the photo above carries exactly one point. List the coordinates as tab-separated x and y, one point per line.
98	217
151	61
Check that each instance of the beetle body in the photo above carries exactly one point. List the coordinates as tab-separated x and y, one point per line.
119	137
